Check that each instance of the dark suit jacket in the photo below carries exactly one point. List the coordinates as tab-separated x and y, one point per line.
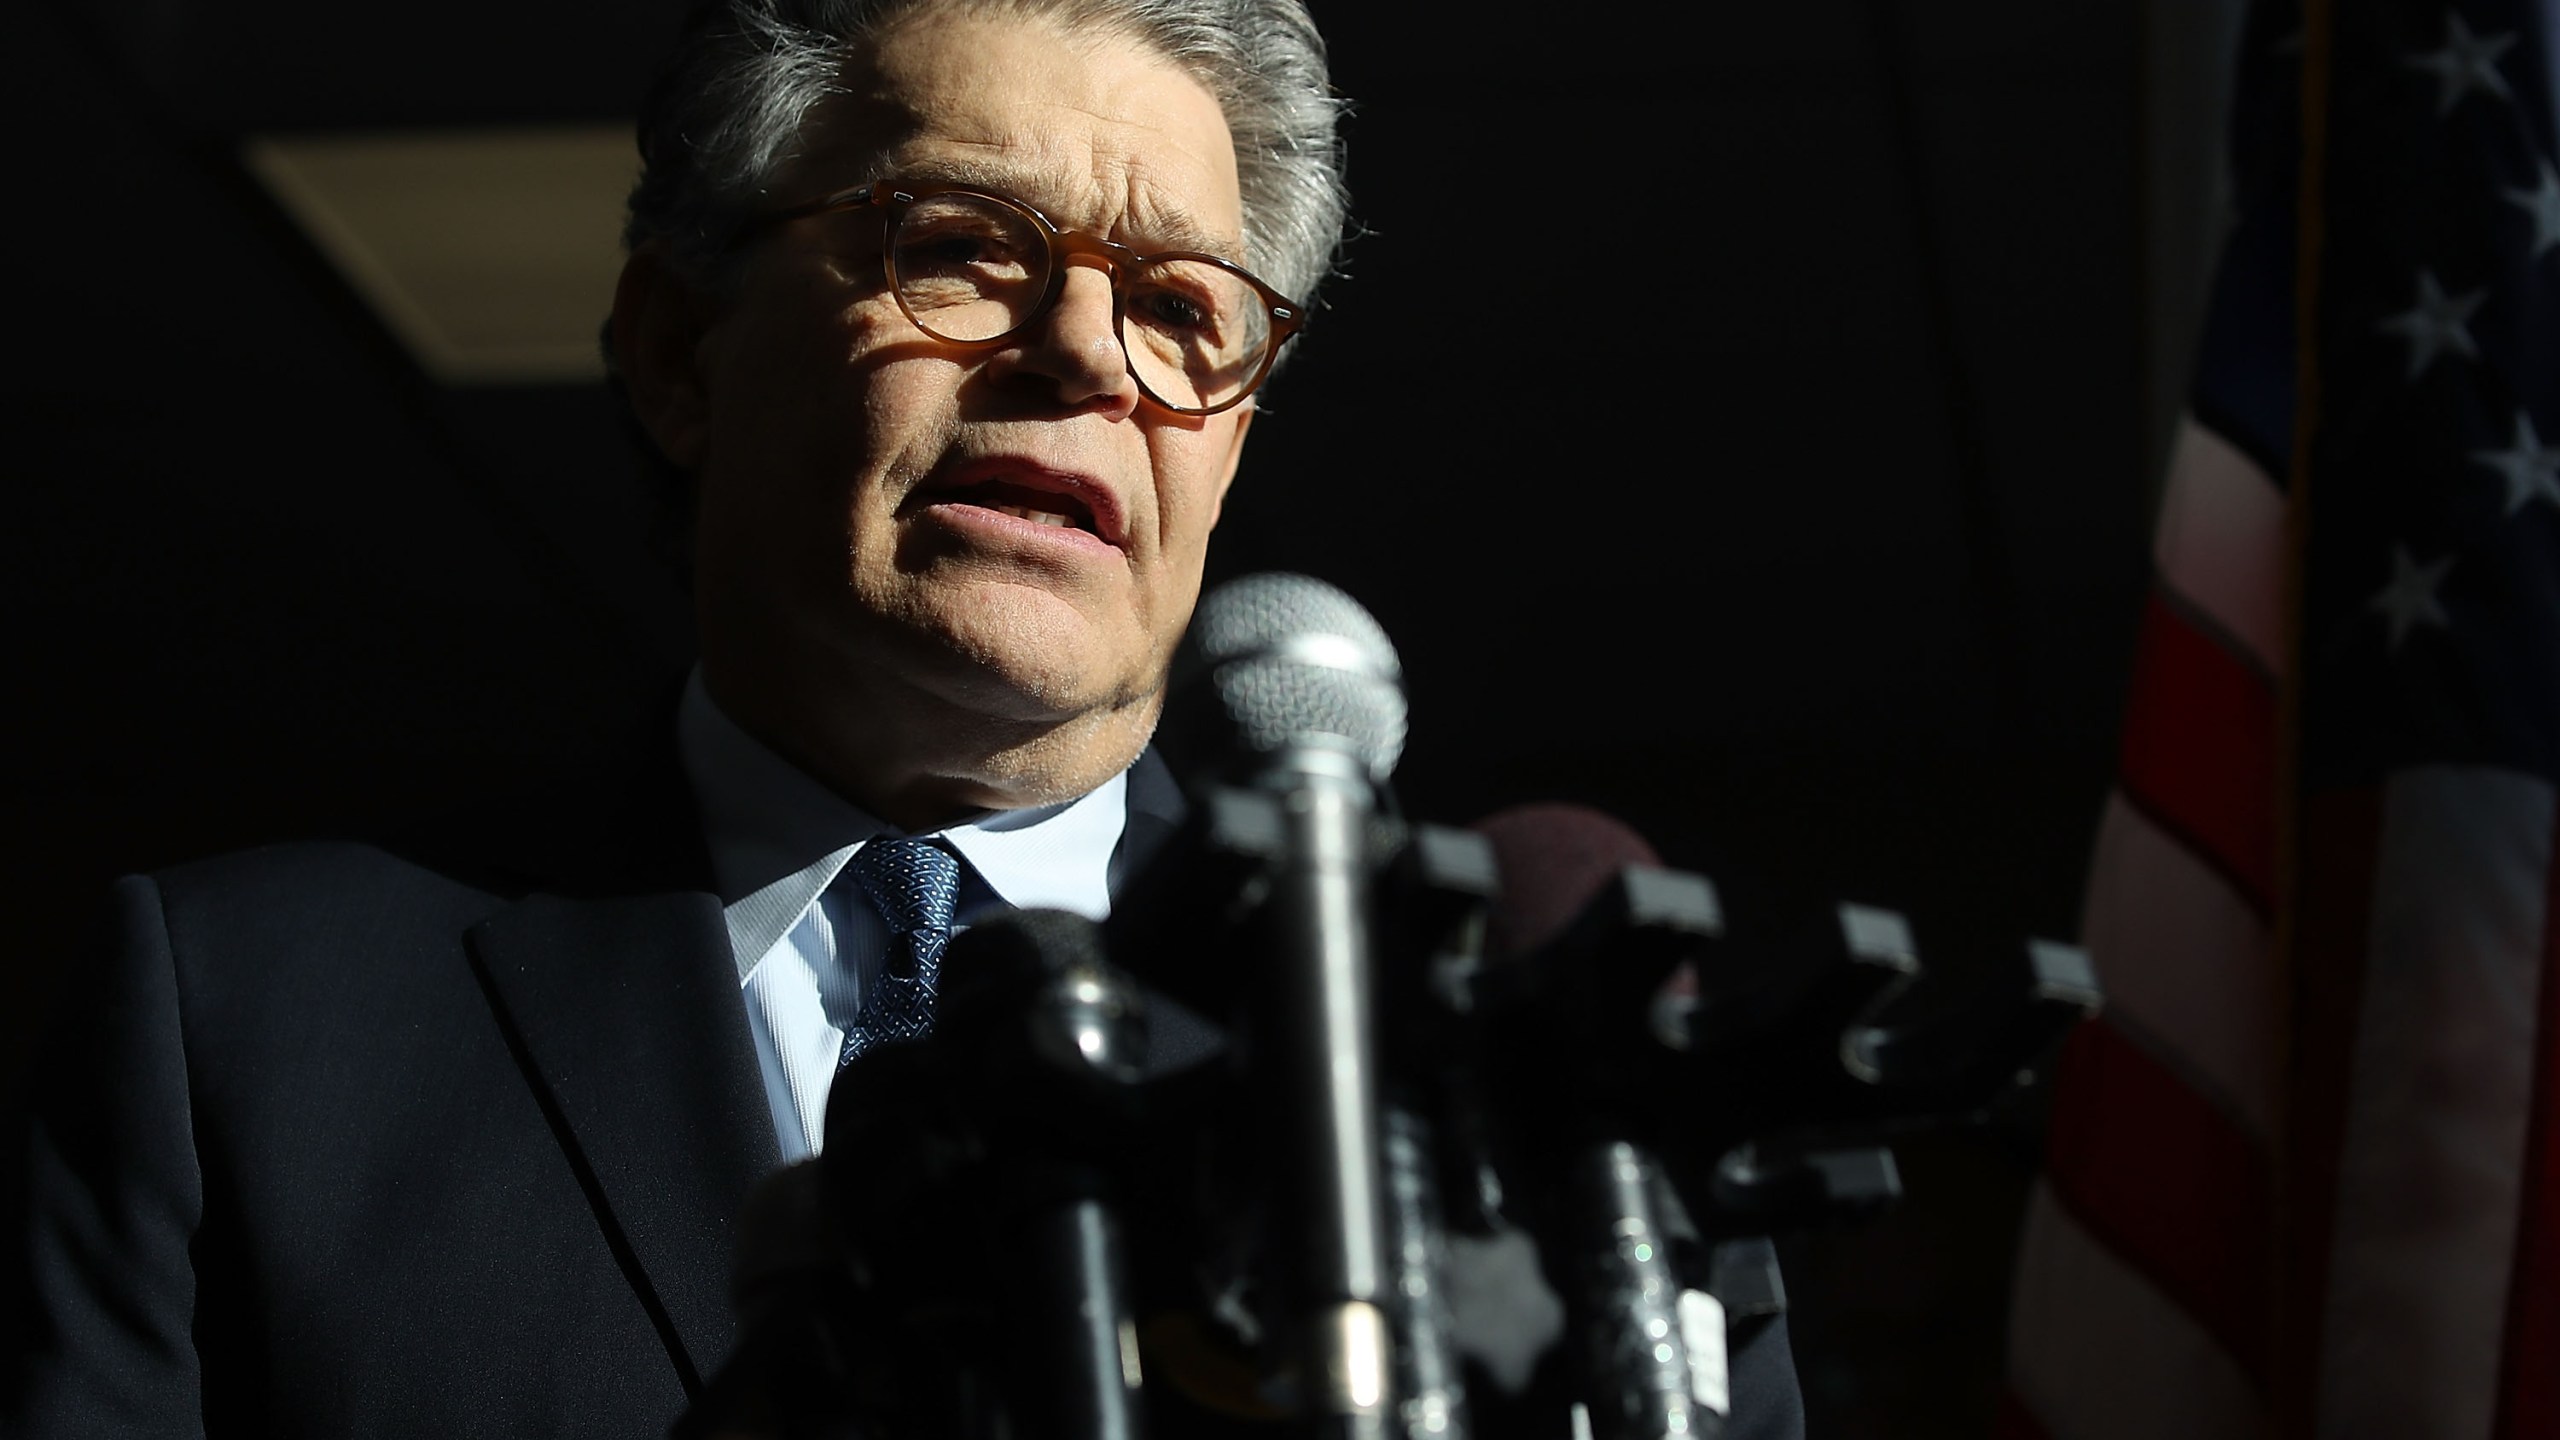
327	1143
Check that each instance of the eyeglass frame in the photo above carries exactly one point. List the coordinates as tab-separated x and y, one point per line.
1286	315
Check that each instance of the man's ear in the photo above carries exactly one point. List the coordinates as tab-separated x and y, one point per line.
657	325
1235	457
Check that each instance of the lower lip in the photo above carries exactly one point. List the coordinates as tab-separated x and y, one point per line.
983	522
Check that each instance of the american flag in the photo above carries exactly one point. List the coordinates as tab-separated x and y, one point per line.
2302	1179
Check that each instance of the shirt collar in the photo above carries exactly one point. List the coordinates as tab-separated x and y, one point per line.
778	837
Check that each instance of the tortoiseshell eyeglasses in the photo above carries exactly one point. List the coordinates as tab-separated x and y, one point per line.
971	268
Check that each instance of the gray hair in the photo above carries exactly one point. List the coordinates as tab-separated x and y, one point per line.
727	114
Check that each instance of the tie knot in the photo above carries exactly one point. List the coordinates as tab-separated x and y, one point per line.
914	883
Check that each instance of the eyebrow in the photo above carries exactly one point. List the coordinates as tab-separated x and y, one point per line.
1171	231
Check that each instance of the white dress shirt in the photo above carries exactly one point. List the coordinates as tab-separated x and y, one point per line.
806	948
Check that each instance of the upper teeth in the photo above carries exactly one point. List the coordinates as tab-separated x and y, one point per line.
1037	517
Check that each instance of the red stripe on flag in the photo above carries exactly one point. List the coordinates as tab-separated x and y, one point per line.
2529	1370
2200	748
2340	830
2164	1179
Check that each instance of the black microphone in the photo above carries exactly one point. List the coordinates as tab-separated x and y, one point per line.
797	1291
978	1178
1287	688
1057	1037
1588	938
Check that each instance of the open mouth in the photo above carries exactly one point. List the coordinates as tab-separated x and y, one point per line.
1032	492
1024	502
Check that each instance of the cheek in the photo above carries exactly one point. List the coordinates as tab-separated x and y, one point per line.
842	411
904	407
1192	466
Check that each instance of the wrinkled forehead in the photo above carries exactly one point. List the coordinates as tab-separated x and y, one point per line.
1097	130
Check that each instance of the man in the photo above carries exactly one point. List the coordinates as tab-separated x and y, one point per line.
947	535
952	311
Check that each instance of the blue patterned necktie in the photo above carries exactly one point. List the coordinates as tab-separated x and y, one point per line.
912	883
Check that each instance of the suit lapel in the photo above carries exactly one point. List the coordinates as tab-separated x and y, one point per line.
1178	1037
625	1015
1156	811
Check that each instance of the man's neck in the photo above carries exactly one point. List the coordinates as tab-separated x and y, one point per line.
921	763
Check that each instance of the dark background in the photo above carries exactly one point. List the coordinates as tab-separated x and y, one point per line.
1742	417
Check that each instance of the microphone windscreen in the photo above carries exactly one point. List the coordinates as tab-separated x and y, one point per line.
1019	943
785	1230
1286	661
1554	859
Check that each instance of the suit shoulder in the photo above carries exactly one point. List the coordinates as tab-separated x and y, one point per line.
313	885
277	870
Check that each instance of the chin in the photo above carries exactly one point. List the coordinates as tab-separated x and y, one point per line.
1035	655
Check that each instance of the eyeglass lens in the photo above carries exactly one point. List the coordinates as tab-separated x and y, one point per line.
968	268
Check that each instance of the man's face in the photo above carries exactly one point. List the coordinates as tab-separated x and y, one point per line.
878	508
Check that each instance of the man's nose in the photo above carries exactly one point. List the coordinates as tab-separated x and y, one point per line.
1076	346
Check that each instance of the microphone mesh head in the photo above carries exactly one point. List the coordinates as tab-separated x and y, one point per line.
1294	661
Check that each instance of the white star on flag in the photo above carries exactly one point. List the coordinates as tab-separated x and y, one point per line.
2409	601
2467	62
2542	202
2435	323
2531	469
